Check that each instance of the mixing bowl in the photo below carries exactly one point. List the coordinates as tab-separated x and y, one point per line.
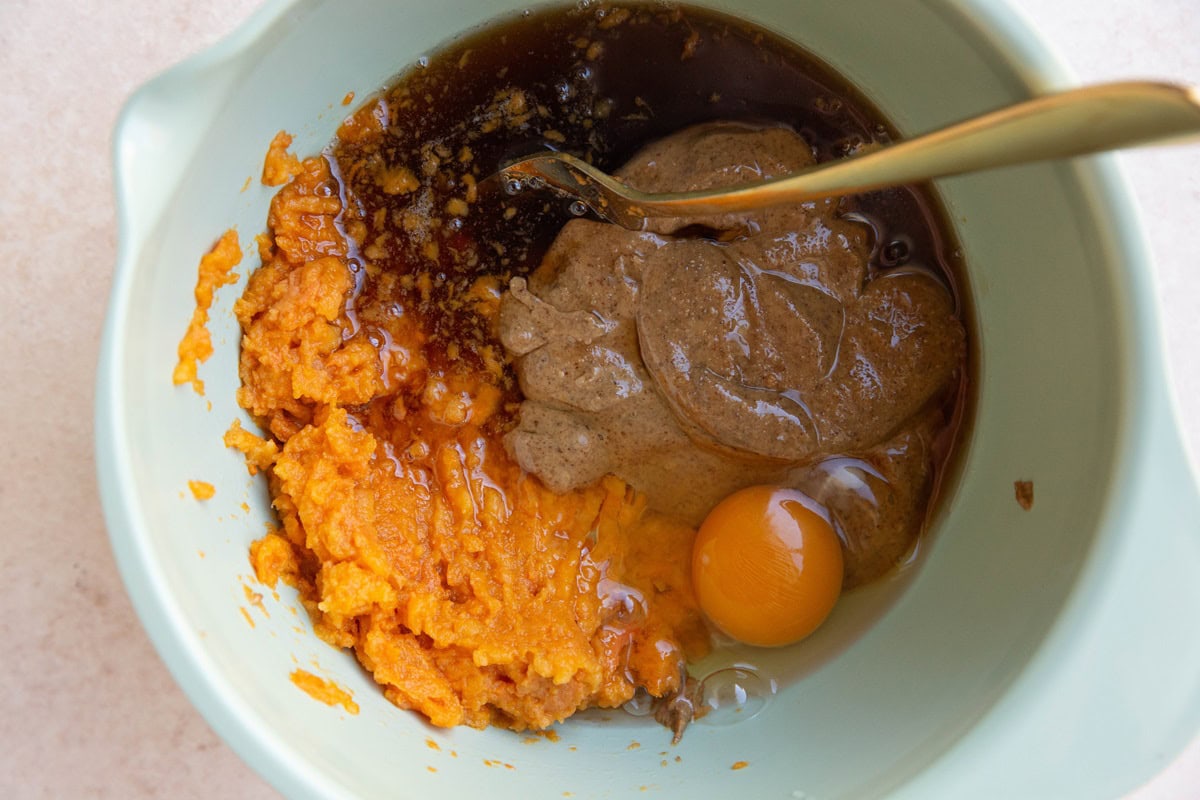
1041	653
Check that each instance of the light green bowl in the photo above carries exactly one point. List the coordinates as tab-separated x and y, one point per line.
1048	653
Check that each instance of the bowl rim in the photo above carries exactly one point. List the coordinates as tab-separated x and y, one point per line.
1026	52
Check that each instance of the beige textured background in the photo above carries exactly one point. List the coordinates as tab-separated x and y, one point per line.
86	708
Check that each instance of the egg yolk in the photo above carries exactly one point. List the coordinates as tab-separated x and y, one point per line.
766	566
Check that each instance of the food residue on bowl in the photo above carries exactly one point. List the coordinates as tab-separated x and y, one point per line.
202	490
255	599
491	430
1024	493
215	271
324	690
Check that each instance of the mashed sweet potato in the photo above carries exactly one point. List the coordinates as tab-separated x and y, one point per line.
471	593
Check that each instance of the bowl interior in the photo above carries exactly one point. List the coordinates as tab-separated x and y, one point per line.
877	702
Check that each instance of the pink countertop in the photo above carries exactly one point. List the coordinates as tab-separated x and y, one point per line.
86	707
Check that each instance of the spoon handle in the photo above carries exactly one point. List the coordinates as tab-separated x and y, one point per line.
1070	123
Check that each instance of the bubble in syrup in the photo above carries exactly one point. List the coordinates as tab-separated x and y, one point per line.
512	186
625	605
423	61
534	182
894	253
640	705
733	695
578	208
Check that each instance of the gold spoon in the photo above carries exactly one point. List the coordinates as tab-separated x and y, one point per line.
1070	123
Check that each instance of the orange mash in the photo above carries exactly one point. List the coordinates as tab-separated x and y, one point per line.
471	592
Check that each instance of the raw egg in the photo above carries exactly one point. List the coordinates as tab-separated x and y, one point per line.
767	566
